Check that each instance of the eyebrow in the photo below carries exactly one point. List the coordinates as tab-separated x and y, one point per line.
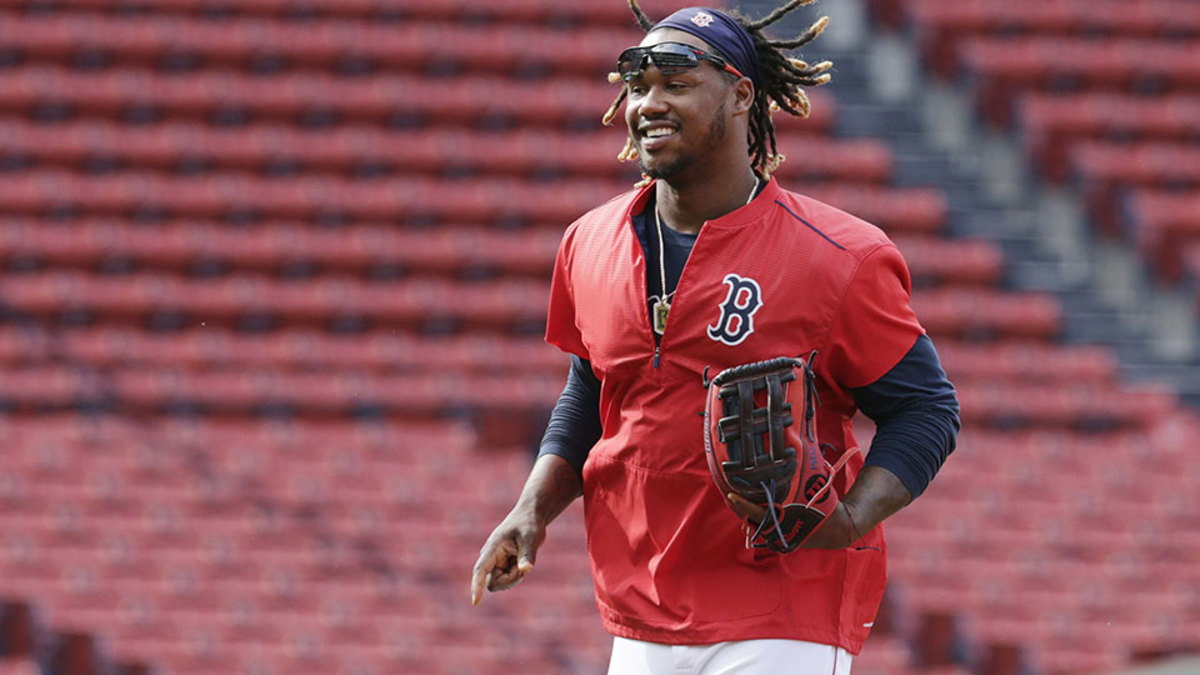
690	73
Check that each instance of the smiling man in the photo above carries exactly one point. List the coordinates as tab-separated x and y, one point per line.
709	264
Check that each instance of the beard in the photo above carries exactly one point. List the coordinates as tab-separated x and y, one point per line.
688	157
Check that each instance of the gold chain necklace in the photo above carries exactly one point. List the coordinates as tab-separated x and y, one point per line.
662	305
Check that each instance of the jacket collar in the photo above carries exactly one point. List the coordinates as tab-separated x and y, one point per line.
759	207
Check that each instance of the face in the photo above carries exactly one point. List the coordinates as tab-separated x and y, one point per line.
677	120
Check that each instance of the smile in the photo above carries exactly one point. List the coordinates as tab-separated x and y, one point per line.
655	135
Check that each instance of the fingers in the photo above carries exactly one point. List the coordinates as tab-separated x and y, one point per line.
480	579
526	554
503	562
746	509
493	559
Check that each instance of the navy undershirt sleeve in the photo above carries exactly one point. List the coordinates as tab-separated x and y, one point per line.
915	410
574	425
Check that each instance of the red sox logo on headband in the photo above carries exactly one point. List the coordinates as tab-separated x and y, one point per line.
736	322
702	19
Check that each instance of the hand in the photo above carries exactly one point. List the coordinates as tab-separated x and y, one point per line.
838	531
508	554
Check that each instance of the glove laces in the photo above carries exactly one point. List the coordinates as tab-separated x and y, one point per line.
772	519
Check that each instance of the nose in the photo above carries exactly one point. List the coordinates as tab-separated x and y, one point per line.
653	102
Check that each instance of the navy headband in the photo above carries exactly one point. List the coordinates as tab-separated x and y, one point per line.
722	32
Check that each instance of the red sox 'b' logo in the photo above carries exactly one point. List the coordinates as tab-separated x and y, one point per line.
736	322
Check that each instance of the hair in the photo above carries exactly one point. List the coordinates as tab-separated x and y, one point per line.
780	88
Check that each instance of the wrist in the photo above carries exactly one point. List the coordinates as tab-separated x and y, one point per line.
552	486
852	534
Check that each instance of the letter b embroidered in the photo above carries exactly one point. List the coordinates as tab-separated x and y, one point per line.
736	322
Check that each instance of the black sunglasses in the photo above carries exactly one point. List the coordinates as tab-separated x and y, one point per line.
669	57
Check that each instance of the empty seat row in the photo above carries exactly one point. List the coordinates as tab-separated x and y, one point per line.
150	441
351	147
383	351
311	96
1049	505
1104	166
943	29
153	195
1055	405
241	392
415	46
986	314
300	8
387	351
505	303
1161	447
537	11
943	261
150	195
1003	68
1105	172
1165	226
1027	361
367	249
361	249
1051	123
951	312
517	11
342	392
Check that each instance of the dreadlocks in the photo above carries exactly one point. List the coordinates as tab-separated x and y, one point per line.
781	80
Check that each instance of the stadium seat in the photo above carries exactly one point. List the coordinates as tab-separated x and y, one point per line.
936	261
980	313
1163	224
943	30
1051	124
1004	68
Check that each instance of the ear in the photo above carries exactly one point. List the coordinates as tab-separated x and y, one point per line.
743	96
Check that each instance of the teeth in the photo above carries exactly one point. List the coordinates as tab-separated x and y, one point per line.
655	133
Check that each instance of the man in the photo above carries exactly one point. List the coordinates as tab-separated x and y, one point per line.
768	273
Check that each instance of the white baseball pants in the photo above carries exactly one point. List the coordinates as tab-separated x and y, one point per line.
747	657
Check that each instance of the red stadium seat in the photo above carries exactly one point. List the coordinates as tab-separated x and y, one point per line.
951	262
1027	361
984	313
1052	124
1005	68
1163	224
945	29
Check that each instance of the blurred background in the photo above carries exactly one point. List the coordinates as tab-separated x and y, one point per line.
272	290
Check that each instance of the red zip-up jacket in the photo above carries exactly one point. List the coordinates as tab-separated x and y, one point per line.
782	276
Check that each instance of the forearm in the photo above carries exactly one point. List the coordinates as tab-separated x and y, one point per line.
876	495
551	487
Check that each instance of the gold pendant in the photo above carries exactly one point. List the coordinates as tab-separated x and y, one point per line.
660	311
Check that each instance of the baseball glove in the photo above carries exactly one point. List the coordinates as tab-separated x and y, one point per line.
761	443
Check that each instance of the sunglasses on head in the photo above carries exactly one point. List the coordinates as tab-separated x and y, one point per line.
669	57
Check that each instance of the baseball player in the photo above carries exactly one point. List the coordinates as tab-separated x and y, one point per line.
711	263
